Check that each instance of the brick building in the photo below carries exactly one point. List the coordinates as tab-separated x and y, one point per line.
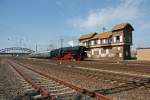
143	54
113	44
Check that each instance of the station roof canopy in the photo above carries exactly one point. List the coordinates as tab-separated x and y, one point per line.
87	36
102	35
122	26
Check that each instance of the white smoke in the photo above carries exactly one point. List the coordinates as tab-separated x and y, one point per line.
71	43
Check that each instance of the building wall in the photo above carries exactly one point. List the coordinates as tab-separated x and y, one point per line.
143	54
127	52
118	47
109	52
128	36
117	50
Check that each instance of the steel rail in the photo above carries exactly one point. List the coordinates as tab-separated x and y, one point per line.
44	92
92	94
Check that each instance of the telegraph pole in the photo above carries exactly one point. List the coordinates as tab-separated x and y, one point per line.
104	29
61	50
36	48
20	42
61	44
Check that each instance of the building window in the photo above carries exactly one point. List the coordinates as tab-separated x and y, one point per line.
120	55
107	51
119	48
92	52
99	41
92	42
127	53
82	43
114	39
96	52
130	40
85	44
121	38
117	39
100	52
103	51
109	40
103	41
106	40
95	41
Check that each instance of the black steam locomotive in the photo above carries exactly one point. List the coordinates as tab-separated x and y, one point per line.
69	53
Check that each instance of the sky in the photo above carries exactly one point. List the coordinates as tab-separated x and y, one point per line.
44	23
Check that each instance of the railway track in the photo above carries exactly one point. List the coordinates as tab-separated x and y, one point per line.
12	85
96	74
111	84
47	87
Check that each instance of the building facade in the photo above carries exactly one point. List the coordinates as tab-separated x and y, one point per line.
143	54
113	44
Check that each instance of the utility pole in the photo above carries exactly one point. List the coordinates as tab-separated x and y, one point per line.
104	29
20	42
61	44
36	48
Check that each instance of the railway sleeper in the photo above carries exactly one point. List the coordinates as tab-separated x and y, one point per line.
51	85
61	89
27	95
71	96
55	87
58	92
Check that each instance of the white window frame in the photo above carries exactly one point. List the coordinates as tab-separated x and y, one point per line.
92	51
115	39
107	51
120	55
100	51
85	44
121	38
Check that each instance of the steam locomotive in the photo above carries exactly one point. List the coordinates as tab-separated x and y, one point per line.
69	53
65	53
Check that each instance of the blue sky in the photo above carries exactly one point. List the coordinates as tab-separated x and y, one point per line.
44	22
